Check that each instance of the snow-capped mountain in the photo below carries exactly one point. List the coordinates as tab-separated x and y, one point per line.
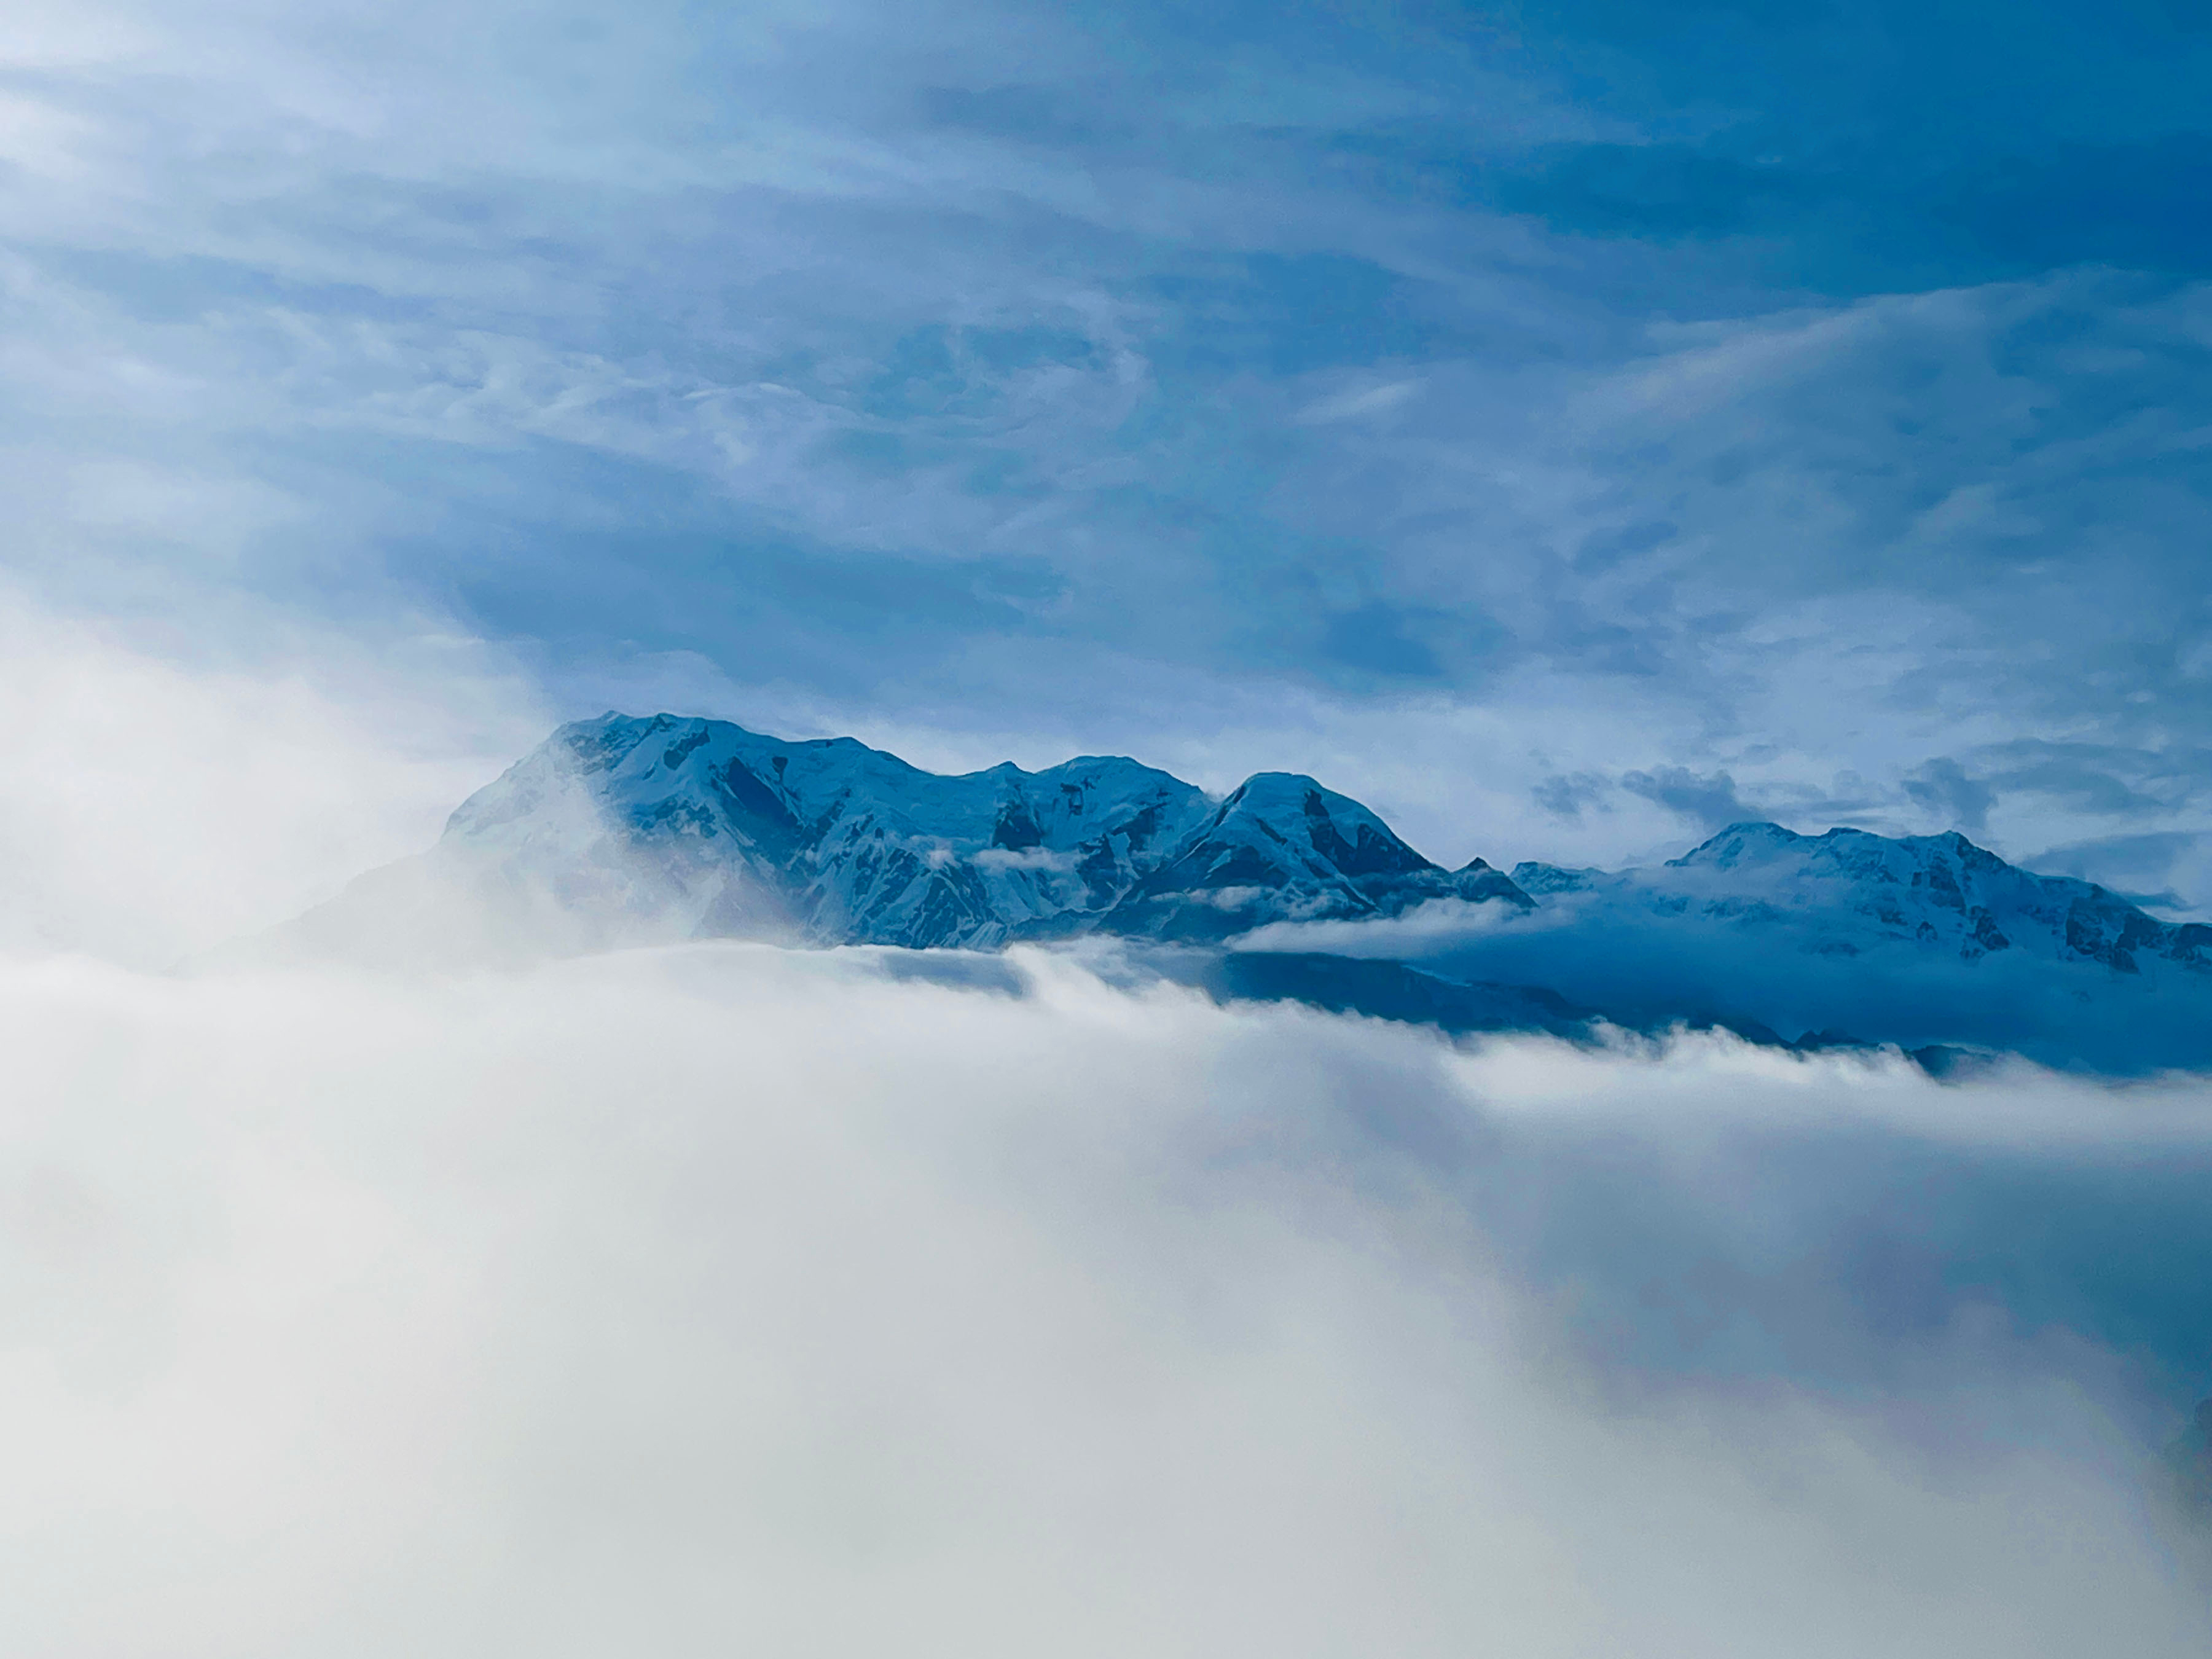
622	830
725	832
1849	893
1922	941
670	828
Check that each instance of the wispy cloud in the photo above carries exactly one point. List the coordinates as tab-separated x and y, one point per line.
1146	374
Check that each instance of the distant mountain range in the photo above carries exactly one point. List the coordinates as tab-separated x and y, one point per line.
622	829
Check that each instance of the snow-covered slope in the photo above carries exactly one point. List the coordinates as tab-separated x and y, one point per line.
828	840
1917	940
1283	848
1849	893
668	828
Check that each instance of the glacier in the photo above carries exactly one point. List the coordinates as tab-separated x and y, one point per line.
629	829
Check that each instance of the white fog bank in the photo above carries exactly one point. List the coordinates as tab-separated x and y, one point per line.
718	1299
168	789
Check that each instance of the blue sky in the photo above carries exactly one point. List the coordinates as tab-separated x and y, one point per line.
1568	428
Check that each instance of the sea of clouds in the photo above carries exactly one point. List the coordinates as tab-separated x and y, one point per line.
715	1298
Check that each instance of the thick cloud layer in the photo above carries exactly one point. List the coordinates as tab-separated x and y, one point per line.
682	1300
697	1297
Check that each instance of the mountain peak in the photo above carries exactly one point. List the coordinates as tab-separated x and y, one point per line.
1849	892
1281	848
1753	838
1353	839
847	843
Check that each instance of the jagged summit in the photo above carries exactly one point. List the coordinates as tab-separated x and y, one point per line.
1280	848
719	830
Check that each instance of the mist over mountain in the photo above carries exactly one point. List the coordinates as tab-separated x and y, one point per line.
687	1192
627	829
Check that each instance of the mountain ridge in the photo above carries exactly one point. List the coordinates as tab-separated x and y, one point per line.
835	843
1934	888
638	828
